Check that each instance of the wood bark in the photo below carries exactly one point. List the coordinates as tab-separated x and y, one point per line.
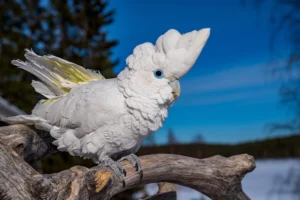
28	143
166	191
217	177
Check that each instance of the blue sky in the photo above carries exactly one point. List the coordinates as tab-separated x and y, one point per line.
230	94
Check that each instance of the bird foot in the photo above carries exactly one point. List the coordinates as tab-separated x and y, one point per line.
134	160
116	167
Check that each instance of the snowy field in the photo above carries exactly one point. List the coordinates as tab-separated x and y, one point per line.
271	180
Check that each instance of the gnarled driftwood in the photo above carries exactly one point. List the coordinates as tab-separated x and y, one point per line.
217	177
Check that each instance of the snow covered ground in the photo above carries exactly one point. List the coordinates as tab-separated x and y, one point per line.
271	180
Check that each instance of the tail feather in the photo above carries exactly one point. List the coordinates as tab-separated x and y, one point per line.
23	119
41	88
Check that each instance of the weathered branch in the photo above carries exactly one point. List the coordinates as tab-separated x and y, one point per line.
166	191
27	143
217	177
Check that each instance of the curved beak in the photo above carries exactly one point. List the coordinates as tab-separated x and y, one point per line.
176	88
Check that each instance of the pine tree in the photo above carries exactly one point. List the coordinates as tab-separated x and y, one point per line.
171	137
172	141
72	30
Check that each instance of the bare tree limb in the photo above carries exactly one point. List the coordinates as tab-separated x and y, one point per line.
30	145
217	177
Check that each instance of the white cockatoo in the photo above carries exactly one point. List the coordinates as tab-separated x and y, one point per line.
106	120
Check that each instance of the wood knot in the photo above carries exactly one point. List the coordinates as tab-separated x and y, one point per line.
101	178
244	162
14	153
79	170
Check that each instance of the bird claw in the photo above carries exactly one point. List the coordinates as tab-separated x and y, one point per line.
134	160
116	167
119	170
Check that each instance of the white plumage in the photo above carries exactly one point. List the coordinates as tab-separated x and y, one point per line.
96	118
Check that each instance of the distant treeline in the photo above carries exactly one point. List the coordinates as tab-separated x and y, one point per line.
283	147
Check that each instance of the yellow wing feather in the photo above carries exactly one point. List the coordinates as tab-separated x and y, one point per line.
57	75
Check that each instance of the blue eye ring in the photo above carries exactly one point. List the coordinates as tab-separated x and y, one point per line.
158	73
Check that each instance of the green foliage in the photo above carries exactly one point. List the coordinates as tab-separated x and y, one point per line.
72	30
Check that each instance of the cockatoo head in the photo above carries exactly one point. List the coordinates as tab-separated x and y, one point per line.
155	70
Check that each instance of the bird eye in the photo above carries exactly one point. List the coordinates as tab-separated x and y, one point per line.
158	73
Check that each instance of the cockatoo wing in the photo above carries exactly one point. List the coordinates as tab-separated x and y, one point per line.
57	75
85	108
